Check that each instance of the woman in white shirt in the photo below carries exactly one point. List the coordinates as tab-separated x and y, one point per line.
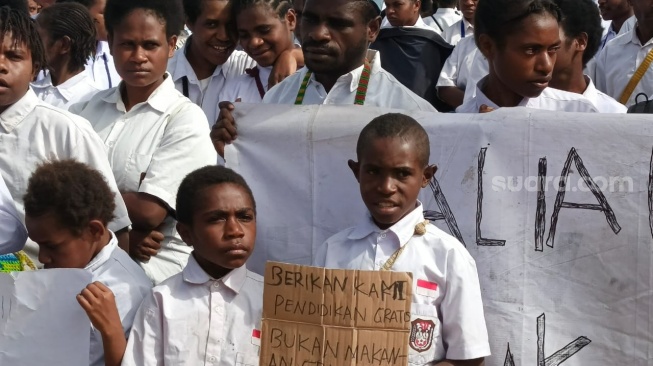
68	36
520	40
153	134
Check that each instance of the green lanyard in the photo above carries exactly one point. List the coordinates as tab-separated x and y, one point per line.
361	91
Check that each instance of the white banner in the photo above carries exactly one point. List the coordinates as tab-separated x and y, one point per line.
566	274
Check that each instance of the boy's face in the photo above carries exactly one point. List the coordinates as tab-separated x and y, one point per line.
212	39
16	71
390	176
60	247
223	231
402	13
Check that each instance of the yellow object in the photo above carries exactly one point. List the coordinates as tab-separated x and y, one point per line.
636	78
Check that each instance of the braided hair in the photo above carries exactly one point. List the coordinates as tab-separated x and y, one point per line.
71	20
280	7
20	26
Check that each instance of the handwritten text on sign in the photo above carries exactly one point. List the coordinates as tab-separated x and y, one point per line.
318	316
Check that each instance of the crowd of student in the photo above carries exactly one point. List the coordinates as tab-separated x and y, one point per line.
111	126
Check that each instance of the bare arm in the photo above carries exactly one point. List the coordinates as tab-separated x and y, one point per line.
146	213
451	95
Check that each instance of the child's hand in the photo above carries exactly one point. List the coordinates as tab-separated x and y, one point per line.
285	65
224	129
485	109
148	246
100	306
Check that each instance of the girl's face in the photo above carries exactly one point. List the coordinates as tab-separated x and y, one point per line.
263	35
212	38
140	49
16	71
524	63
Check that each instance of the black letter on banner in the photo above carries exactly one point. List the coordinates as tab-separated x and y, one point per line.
540	212
602	206
650	195
479	206
446	213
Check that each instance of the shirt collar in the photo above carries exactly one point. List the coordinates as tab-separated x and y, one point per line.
444	11
404	229
468	25
66	89
194	274
14	115
181	67
635	39
590	92
353	76
103	256
102	49
161	99
481	98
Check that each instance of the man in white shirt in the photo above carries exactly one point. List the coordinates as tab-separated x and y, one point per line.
620	15
617	63
444	17
465	26
12	231
463	69
403	13
337	66
580	34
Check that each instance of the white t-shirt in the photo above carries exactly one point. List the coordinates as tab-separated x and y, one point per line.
151	149
550	99
12	231
79	88
207	98
383	90
458	31
102	69
444	17
32	132
194	319
114	268
465	67
446	289
418	24
603	102
244	87
618	61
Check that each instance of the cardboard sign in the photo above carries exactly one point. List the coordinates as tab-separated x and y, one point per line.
330	317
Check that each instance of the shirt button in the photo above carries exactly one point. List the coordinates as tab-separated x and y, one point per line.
216	284
212	359
382	236
217	309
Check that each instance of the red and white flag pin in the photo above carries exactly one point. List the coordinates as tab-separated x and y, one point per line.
426	288
256	337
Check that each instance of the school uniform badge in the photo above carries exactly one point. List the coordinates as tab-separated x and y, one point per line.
421	334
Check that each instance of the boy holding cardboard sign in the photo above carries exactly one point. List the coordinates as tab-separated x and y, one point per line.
447	321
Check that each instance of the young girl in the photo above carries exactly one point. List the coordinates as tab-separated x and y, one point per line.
154	135
520	39
265	29
68	35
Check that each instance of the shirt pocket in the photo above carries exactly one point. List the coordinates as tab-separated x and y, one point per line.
135	171
247	359
424	339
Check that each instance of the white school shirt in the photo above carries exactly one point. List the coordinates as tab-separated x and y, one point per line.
194	319
603	102
419	24
180	69
244	87
446	290
13	234
101	67
458	31
79	88
114	268
550	99
465	67
33	132
445	17
625	28
618	61
383	90
151	149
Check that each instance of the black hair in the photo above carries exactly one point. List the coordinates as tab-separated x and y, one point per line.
582	16
396	125
20	5
193	9
280	7
368	9
499	18
71	20
200	179
87	3
74	192
170	12
23	31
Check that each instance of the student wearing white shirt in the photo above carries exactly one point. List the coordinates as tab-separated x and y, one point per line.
68	34
403	13
67	207
154	135
463	69
619	60
447	307
465	26
444	17
580	34
33	131
265	31
520	40
620	15
210	314
12	231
